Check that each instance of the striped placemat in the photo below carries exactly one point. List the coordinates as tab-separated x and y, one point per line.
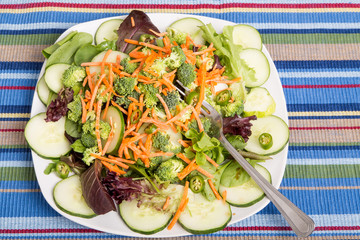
316	48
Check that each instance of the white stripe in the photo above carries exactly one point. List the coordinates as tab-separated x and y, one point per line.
322	161
30	26
16	164
318	74
19	75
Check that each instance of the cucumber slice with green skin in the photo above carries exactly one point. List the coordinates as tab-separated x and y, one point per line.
259	102
68	198
111	58
202	216
273	125
188	25
246	36
53	75
119	126
47	139
256	60
43	91
143	219
248	193
107	30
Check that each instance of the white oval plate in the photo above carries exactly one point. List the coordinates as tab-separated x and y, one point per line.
111	222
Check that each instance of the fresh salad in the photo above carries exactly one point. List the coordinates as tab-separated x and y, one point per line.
122	138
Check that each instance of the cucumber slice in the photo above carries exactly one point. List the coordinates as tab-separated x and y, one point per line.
43	91
68	197
53	75
107	30
256	60
248	193
274	125
111	58
246	36
202	216
47	139
119	125
259	102
143	219
188	25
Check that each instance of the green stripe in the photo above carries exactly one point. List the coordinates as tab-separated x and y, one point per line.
17	174
13	146
322	171
318	38
29	39
325	144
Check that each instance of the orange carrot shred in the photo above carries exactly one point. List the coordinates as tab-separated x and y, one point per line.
132	22
166	204
113	168
211	161
167	111
181	207
187	170
224	194
84	112
109	160
217	195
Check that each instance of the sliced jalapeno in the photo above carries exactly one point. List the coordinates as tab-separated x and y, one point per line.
193	97
223	97
265	140
197	183
62	169
148	38
135	116
150	129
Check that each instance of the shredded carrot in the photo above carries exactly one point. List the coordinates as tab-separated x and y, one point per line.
132	42
205	51
136	72
132	22
167	111
95	91
107	106
84	112
211	161
199	169
137	89
179	115
166	204
201	128
184	144
126	153
160	153
109	160
217	195
149	45
121	159
113	168
133	99
128	131
97	125
158	34
224	194
120	108
90	81
187	170
181	207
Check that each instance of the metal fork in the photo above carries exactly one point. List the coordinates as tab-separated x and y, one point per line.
301	223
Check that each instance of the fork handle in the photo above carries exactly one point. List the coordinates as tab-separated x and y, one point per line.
301	223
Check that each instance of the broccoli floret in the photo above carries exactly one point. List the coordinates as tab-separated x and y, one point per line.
172	99
168	170
128	66
87	158
159	66
75	109
155	162
125	101
89	127
187	114
209	60
186	74
176	35
150	98
232	109
160	112
125	85
207	125
73	75
176	58
161	141
88	140
90	116
99	97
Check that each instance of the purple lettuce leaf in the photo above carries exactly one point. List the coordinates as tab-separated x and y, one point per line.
238	126
95	194
58	107
74	160
143	25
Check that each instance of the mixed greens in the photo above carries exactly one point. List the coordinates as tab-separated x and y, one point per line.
130	137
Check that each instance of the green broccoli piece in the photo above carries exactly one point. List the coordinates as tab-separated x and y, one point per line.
125	101
128	66
168	170
150	98
87	158
154	163
209	60
159	66
186	74
73	75
160	112
172	99
176	35
125	85
99	97
75	109
89	127
187	114
161	141
232	109
176	58
88	140
207	124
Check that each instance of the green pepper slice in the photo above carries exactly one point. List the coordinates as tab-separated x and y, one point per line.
197	183
62	169
265	140
223	97
135	116
147	38
193	97
150	129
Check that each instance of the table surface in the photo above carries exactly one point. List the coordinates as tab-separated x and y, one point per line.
316	48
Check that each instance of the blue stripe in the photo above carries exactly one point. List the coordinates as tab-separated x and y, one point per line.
325	65
319	80
19	185
15	82
23	97
14	66
15	108
309	31
319	182
14	150
322	107
33	31
11	155
321	148
312	153
14	119
323	117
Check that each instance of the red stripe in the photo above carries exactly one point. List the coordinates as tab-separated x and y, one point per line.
11	130
16	88
324	86
13	231
323	128
180	6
